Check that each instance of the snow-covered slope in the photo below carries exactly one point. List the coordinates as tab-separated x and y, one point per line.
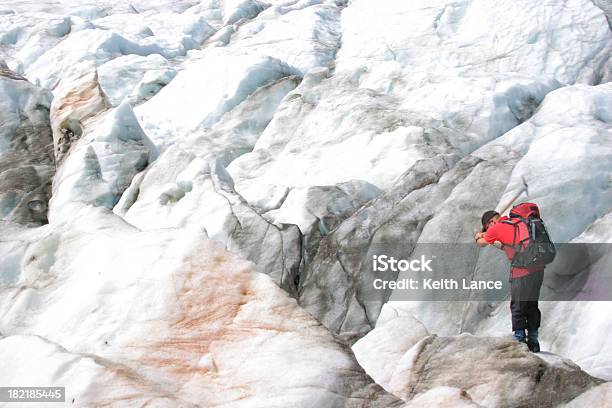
166	318
580	133
168	142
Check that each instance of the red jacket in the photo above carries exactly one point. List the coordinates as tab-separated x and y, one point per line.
505	234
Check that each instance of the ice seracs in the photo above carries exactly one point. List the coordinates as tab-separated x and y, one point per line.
102	162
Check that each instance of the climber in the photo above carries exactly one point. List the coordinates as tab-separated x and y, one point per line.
525	282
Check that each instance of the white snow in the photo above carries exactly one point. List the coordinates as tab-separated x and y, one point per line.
599	396
224	80
553	150
443	397
305	36
166	316
184	129
102	163
581	139
384	351
54	365
569	40
133	76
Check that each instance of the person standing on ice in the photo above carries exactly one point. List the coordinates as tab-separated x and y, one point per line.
523	231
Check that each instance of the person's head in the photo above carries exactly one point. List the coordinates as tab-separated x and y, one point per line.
489	218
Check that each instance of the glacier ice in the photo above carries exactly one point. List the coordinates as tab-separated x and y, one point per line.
181	137
26	149
560	179
164	317
507	374
228	80
102	163
138	78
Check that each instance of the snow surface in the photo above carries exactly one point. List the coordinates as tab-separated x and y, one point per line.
599	396
227	81
180	138
568	40
570	203
102	163
133	76
165	317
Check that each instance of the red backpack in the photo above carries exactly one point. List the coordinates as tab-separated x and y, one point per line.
532	244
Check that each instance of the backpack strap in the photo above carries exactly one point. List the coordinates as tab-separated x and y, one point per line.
521	242
514	224
517	248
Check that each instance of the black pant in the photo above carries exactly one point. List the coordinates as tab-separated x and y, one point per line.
525	293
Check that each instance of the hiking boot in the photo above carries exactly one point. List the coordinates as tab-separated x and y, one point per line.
519	335
532	340
533	345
